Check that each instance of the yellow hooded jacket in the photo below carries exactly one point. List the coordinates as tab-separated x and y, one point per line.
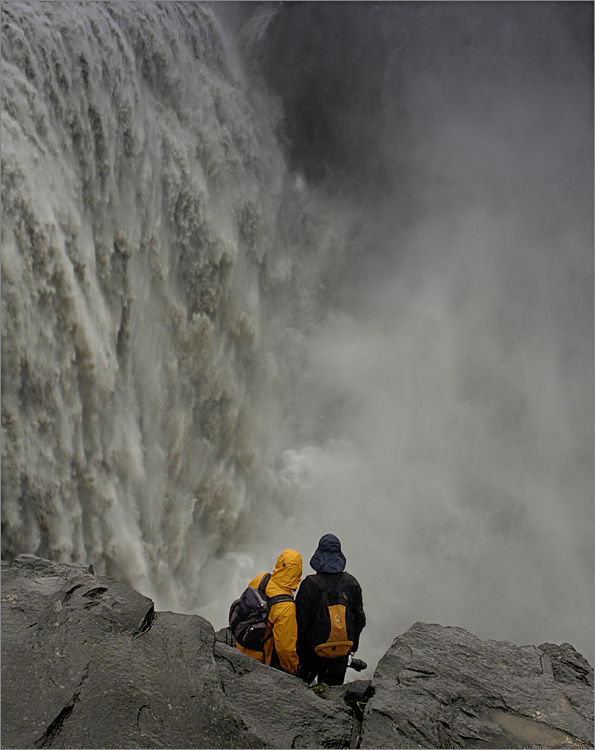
282	622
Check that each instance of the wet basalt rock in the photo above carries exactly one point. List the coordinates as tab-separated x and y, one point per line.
441	687
88	663
278	708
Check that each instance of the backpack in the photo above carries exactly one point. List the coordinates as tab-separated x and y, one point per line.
331	633
248	615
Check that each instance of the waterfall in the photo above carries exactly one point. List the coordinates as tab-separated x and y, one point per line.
146	235
210	353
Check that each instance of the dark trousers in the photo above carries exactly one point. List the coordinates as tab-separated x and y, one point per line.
329	671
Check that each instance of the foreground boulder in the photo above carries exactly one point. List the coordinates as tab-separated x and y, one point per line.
88	663
441	687
278	708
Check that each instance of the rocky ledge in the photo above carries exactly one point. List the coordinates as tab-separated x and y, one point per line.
88	663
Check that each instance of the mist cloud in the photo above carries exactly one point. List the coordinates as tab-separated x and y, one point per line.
454	372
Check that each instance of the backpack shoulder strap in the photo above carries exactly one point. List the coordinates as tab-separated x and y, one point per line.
320	584
263	583
272	599
280	598
323	585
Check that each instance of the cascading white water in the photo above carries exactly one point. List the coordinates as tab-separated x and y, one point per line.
145	215
191	385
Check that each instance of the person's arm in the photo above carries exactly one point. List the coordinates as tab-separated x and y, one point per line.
359	616
304	604
285	630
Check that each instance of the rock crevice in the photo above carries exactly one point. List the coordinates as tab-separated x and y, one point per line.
53	730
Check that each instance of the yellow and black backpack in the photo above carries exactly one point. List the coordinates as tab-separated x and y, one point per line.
331	632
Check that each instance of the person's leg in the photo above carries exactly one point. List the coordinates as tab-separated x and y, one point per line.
308	668
332	671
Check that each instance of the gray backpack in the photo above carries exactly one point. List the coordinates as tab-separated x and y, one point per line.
249	614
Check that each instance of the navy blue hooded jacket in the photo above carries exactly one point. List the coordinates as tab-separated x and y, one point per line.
329	563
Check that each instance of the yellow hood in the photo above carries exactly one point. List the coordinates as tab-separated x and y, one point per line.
287	573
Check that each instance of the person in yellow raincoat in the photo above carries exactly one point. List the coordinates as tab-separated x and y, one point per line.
281	631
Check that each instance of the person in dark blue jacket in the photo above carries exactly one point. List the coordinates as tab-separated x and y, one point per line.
329	563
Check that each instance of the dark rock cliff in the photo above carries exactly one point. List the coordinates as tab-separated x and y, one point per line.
88	663
443	687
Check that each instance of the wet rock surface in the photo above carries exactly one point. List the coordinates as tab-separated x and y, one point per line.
442	687
88	663
355	695
280	709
